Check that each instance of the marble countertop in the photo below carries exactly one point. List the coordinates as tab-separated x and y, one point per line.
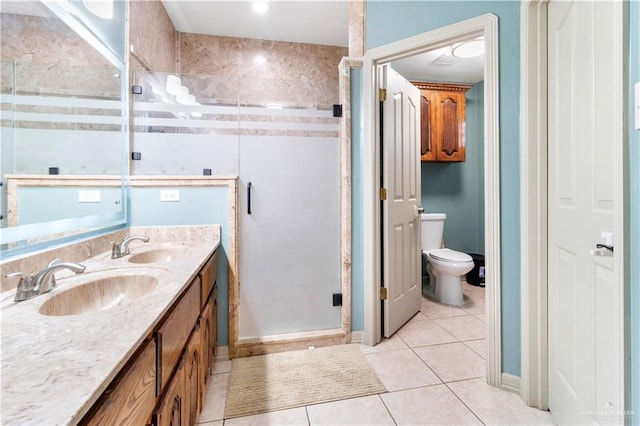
54	368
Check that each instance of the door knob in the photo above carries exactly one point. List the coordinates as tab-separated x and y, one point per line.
605	249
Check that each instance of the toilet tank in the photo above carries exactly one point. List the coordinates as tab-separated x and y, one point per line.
432	225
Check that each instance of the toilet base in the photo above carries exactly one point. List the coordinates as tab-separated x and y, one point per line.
445	288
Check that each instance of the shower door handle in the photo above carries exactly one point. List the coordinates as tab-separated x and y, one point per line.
249	198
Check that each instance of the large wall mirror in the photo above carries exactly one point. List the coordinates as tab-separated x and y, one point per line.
64	114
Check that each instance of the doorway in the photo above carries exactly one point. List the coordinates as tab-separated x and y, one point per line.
486	26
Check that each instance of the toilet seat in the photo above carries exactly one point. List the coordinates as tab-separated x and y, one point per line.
449	256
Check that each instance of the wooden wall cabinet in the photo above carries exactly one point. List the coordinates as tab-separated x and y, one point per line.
442	125
164	382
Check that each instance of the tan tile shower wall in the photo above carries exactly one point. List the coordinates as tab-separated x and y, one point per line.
30	39
295	73
152	35
72	67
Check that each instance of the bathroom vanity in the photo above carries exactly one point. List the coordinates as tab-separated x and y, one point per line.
130	341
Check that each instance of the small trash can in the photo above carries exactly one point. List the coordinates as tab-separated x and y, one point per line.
476	275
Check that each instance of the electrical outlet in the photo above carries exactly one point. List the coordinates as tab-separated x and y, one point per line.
85	196
169	195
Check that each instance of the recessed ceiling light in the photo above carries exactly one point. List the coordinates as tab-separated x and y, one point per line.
469	48
259	60
101	8
260	7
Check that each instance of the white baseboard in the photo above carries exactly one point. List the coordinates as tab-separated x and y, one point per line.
222	353
510	383
357	337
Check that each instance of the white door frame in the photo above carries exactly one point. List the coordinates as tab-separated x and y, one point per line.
486	25
533	203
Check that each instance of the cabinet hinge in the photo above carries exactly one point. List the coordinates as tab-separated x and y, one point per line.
382	95
383	194
383	293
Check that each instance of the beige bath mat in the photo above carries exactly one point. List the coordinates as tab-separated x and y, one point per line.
273	382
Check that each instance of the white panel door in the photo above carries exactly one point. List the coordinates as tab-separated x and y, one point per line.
585	140
290	243
400	218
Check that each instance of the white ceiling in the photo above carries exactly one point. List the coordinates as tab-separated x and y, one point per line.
303	21
440	65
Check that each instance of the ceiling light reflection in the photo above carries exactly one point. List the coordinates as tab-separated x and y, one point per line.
260	7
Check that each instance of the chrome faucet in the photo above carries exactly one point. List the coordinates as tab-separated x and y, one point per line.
122	249
42	282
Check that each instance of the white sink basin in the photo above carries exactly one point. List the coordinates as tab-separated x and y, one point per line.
98	295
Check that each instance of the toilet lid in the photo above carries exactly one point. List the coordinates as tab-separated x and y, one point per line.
448	255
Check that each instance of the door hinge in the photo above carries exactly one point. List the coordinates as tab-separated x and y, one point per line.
337	299
383	293
383	194
382	95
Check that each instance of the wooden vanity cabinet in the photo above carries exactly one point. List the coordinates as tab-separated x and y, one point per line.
442	121
164	382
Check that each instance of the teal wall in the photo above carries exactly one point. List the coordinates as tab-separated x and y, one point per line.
44	204
389	21
634	217
357	228
457	189
197	206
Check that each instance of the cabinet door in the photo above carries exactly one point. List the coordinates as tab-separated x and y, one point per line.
172	408
427	127
194	375
130	399
214	328
209	275
450	135
205	337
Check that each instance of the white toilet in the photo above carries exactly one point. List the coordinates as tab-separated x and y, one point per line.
445	266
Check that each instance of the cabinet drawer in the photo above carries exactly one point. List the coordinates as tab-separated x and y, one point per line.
172	336
130	399
209	275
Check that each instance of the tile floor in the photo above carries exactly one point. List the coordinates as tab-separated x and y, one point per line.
433	369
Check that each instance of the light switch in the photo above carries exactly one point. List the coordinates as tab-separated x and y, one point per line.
85	196
169	195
